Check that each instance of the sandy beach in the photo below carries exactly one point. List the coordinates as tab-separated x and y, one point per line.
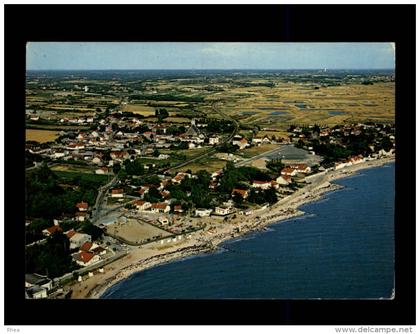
149	255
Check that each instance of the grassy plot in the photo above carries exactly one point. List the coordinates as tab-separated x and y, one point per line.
69	177
209	164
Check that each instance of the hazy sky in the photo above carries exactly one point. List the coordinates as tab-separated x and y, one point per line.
92	55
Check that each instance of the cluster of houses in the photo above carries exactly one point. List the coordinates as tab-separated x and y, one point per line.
334	135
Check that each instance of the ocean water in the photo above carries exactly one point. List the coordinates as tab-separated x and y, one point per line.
342	248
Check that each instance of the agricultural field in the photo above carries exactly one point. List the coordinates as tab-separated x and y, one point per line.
140	109
41	136
73	168
295	103
135	230
210	164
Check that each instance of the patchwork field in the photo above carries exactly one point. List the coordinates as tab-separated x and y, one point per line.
279	106
41	136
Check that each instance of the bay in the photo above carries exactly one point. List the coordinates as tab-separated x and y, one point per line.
342	248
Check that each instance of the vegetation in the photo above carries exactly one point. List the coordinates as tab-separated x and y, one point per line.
46	198
52	259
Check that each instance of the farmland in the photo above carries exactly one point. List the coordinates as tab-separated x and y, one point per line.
41	136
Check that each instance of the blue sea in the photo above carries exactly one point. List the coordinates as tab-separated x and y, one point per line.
343	247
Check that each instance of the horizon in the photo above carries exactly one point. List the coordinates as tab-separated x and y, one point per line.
213	69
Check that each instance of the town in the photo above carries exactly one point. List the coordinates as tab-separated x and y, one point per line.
115	165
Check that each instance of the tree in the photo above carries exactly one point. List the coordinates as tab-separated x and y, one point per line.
94	231
116	168
153	195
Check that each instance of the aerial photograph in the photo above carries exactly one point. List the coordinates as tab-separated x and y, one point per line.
198	170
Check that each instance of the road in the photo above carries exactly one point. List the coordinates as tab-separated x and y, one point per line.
213	149
100	198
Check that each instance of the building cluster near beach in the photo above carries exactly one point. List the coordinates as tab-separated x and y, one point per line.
137	171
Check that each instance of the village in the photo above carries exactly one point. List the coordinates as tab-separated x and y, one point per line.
115	180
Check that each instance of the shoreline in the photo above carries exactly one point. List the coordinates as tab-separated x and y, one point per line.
204	242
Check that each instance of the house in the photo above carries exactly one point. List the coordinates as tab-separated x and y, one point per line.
98	250
191	145
261	184
342	164
160	208
78	239
142	205
163	220
284	180
274	184
216	174
247	212
301	168
86	246
50	230
36	292
179	177
288	171
96	161
81	216
32	280
203	212
241	192
117	193
165	194
84	259
178	209
222	210
143	190
356	160
119	155
242	143
192	131
264	206
70	233
102	170
261	140
82	206
213	140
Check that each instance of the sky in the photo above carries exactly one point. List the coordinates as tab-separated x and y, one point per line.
194	55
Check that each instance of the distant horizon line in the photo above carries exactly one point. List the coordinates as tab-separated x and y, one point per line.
216	69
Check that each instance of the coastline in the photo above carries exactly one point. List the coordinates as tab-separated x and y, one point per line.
142	258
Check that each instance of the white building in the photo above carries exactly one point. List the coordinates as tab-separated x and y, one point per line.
203	212
222	211
283	180
213	140
160	208
261	184
78	239
142	205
